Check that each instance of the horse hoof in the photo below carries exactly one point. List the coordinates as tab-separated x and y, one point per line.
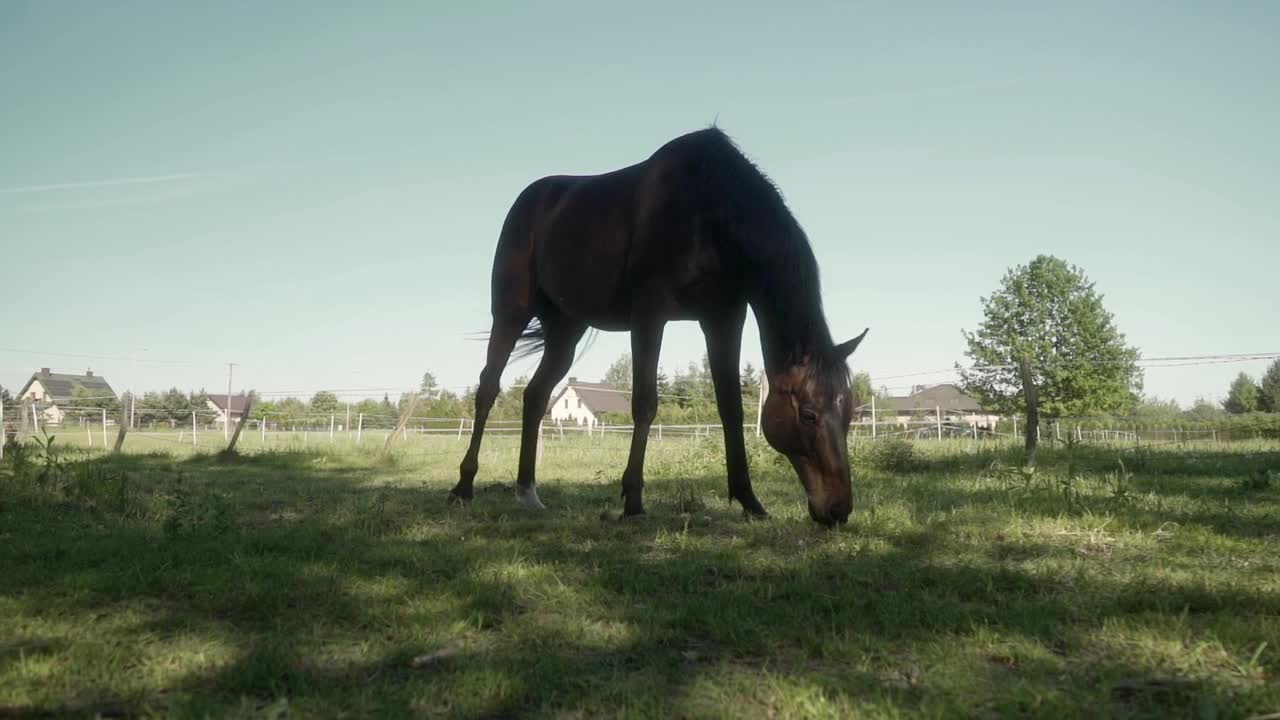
456	499
639	515
754	515
529	498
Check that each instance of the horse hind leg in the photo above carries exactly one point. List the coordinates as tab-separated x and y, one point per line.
562	336
502	340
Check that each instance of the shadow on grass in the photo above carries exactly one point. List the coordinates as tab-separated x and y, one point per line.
324	589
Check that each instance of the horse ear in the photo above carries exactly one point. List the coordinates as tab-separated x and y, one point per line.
846	349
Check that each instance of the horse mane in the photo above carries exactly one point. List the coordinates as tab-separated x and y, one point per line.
781	268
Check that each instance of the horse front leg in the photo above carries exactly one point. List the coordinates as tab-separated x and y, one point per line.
724	350
646	343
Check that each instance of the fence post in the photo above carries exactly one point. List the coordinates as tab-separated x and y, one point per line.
4	433
1033	413
244	418
133	410
938	410
873	415
262	425
764	388
359	428
537	460
404	418
462	422
330	428
193	428
126	419
88	432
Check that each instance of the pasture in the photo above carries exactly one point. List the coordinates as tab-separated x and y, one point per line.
335	581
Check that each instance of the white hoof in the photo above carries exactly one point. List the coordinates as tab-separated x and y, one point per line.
529	498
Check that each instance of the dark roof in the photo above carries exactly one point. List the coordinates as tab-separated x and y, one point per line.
237	402
946	396
62	386
598	397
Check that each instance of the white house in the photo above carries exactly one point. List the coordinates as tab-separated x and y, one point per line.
581	403
51	393
947	399
218	404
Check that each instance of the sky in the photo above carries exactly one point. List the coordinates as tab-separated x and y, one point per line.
313	190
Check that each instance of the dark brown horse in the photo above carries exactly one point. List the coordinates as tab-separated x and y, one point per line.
695	232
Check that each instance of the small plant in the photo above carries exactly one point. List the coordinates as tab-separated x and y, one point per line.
1119	483
1259	480
895	455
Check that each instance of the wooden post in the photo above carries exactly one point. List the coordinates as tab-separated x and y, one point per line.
1033	413
126	415
347	425
35	419
104	428
404	418
133	410
359	427
938	411
330	428
538	455
88	432
764	388
262	426
462	422
873	415
193	428
244	418
1015	426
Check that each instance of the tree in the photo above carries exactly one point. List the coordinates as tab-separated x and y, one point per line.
750	379
428	386
619	373
1153	408
664	386
862	390
1203	410
1269	397
324	402
1048	313
4	395
1243	396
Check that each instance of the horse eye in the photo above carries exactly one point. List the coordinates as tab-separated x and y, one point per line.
808	416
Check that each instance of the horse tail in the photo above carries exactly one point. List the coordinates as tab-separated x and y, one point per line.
534	338
531	340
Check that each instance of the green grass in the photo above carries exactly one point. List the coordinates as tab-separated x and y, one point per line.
334	581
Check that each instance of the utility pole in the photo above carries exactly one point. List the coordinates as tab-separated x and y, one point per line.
226	414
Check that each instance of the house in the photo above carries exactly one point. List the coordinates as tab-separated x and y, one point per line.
218	404
583	403
52	393
925	402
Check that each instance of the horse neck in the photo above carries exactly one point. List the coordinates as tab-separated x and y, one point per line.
791	327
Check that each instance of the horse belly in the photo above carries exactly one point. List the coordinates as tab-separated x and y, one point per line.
584	278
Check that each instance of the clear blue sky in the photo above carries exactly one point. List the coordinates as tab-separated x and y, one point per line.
313	190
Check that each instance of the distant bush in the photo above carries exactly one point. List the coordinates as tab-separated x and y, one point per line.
891	455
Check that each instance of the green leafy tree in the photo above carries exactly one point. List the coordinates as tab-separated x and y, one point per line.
428	387
619	373
1153	408
4	395
750	379
324	402
664	386
1269	397
1243	396
1048	312
1202	409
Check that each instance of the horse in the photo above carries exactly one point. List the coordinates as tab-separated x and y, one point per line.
694	232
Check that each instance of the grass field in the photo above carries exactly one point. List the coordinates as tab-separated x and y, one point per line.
334	581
